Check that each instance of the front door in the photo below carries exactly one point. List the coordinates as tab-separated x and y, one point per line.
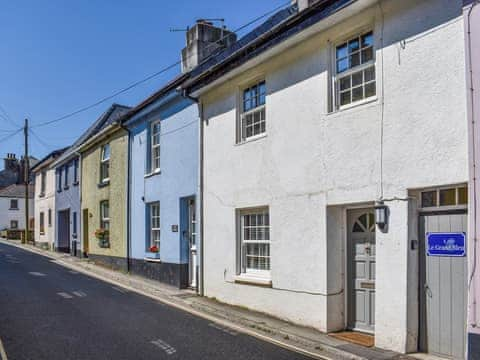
361	269
64	231
192	239
443	286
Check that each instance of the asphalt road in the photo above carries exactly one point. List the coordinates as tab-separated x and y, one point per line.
50	312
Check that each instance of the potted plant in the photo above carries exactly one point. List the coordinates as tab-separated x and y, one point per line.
103	238
153	252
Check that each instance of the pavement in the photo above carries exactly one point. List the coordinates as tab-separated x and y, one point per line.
54	306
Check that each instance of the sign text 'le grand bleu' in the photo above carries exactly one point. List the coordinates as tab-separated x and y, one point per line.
446	244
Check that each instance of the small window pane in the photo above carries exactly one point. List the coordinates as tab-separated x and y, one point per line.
342	65
354	60
370	89
447	197
429	198
353	45
357	93
367	55
345	83
342	51
357	78
367	40
369	74
462	196
345	98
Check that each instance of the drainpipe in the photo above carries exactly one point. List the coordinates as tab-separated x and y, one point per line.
80	216
200	282
472	281
129	213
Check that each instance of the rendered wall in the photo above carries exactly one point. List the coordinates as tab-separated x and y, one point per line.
44	202
311	159
115	193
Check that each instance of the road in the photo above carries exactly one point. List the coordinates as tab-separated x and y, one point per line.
50	312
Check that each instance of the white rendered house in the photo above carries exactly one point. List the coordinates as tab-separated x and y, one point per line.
340	115
45	191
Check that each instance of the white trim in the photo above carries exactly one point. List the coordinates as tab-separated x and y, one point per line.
249	278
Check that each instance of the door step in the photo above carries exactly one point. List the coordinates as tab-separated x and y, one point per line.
355	337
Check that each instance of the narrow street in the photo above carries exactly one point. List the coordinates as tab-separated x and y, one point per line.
50	312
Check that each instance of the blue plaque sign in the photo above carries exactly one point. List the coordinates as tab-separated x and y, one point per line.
446	244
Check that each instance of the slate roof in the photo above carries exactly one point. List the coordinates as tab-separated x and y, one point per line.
52	156
112	115
278	28
17	191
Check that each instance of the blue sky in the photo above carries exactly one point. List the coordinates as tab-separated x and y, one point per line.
57	56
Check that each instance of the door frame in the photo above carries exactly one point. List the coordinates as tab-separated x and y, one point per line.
85	230
422	268
65	215
347	265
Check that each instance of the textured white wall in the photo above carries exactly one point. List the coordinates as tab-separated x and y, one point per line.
43	204
7	215
311	159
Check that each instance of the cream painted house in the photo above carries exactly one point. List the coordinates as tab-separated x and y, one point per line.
335	145
44	200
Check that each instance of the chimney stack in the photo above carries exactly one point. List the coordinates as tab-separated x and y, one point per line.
10	162
302	4
202	40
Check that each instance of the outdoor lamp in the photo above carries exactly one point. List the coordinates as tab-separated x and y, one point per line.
381	214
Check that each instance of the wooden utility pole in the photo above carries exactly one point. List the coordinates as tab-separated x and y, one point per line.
26	176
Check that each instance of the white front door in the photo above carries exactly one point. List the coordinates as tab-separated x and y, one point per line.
192	239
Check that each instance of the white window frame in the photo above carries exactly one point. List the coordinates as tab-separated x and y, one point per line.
153	146
246	271
42	223
337	77
153	229
43	182
105	219
105	163
12	207
261	110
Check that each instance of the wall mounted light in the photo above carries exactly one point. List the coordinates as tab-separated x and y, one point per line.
381	214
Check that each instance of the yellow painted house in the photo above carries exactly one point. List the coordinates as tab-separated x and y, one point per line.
104	190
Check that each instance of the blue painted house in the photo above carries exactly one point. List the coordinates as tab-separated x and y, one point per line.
68	236
163	187
164	158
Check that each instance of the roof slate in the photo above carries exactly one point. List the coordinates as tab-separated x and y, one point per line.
16	191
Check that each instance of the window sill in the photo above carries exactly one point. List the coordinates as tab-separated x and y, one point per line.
66	187
14	209
247	279
156	172
251	139
59	190
41	195
360	103
76	183
103	184
151	259
74	235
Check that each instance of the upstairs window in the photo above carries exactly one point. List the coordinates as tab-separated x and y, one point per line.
59	180
43	182
105	164
65	185
75	171
13	204
155	146
252	117
355	70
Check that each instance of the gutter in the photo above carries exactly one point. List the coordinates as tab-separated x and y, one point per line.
129	178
